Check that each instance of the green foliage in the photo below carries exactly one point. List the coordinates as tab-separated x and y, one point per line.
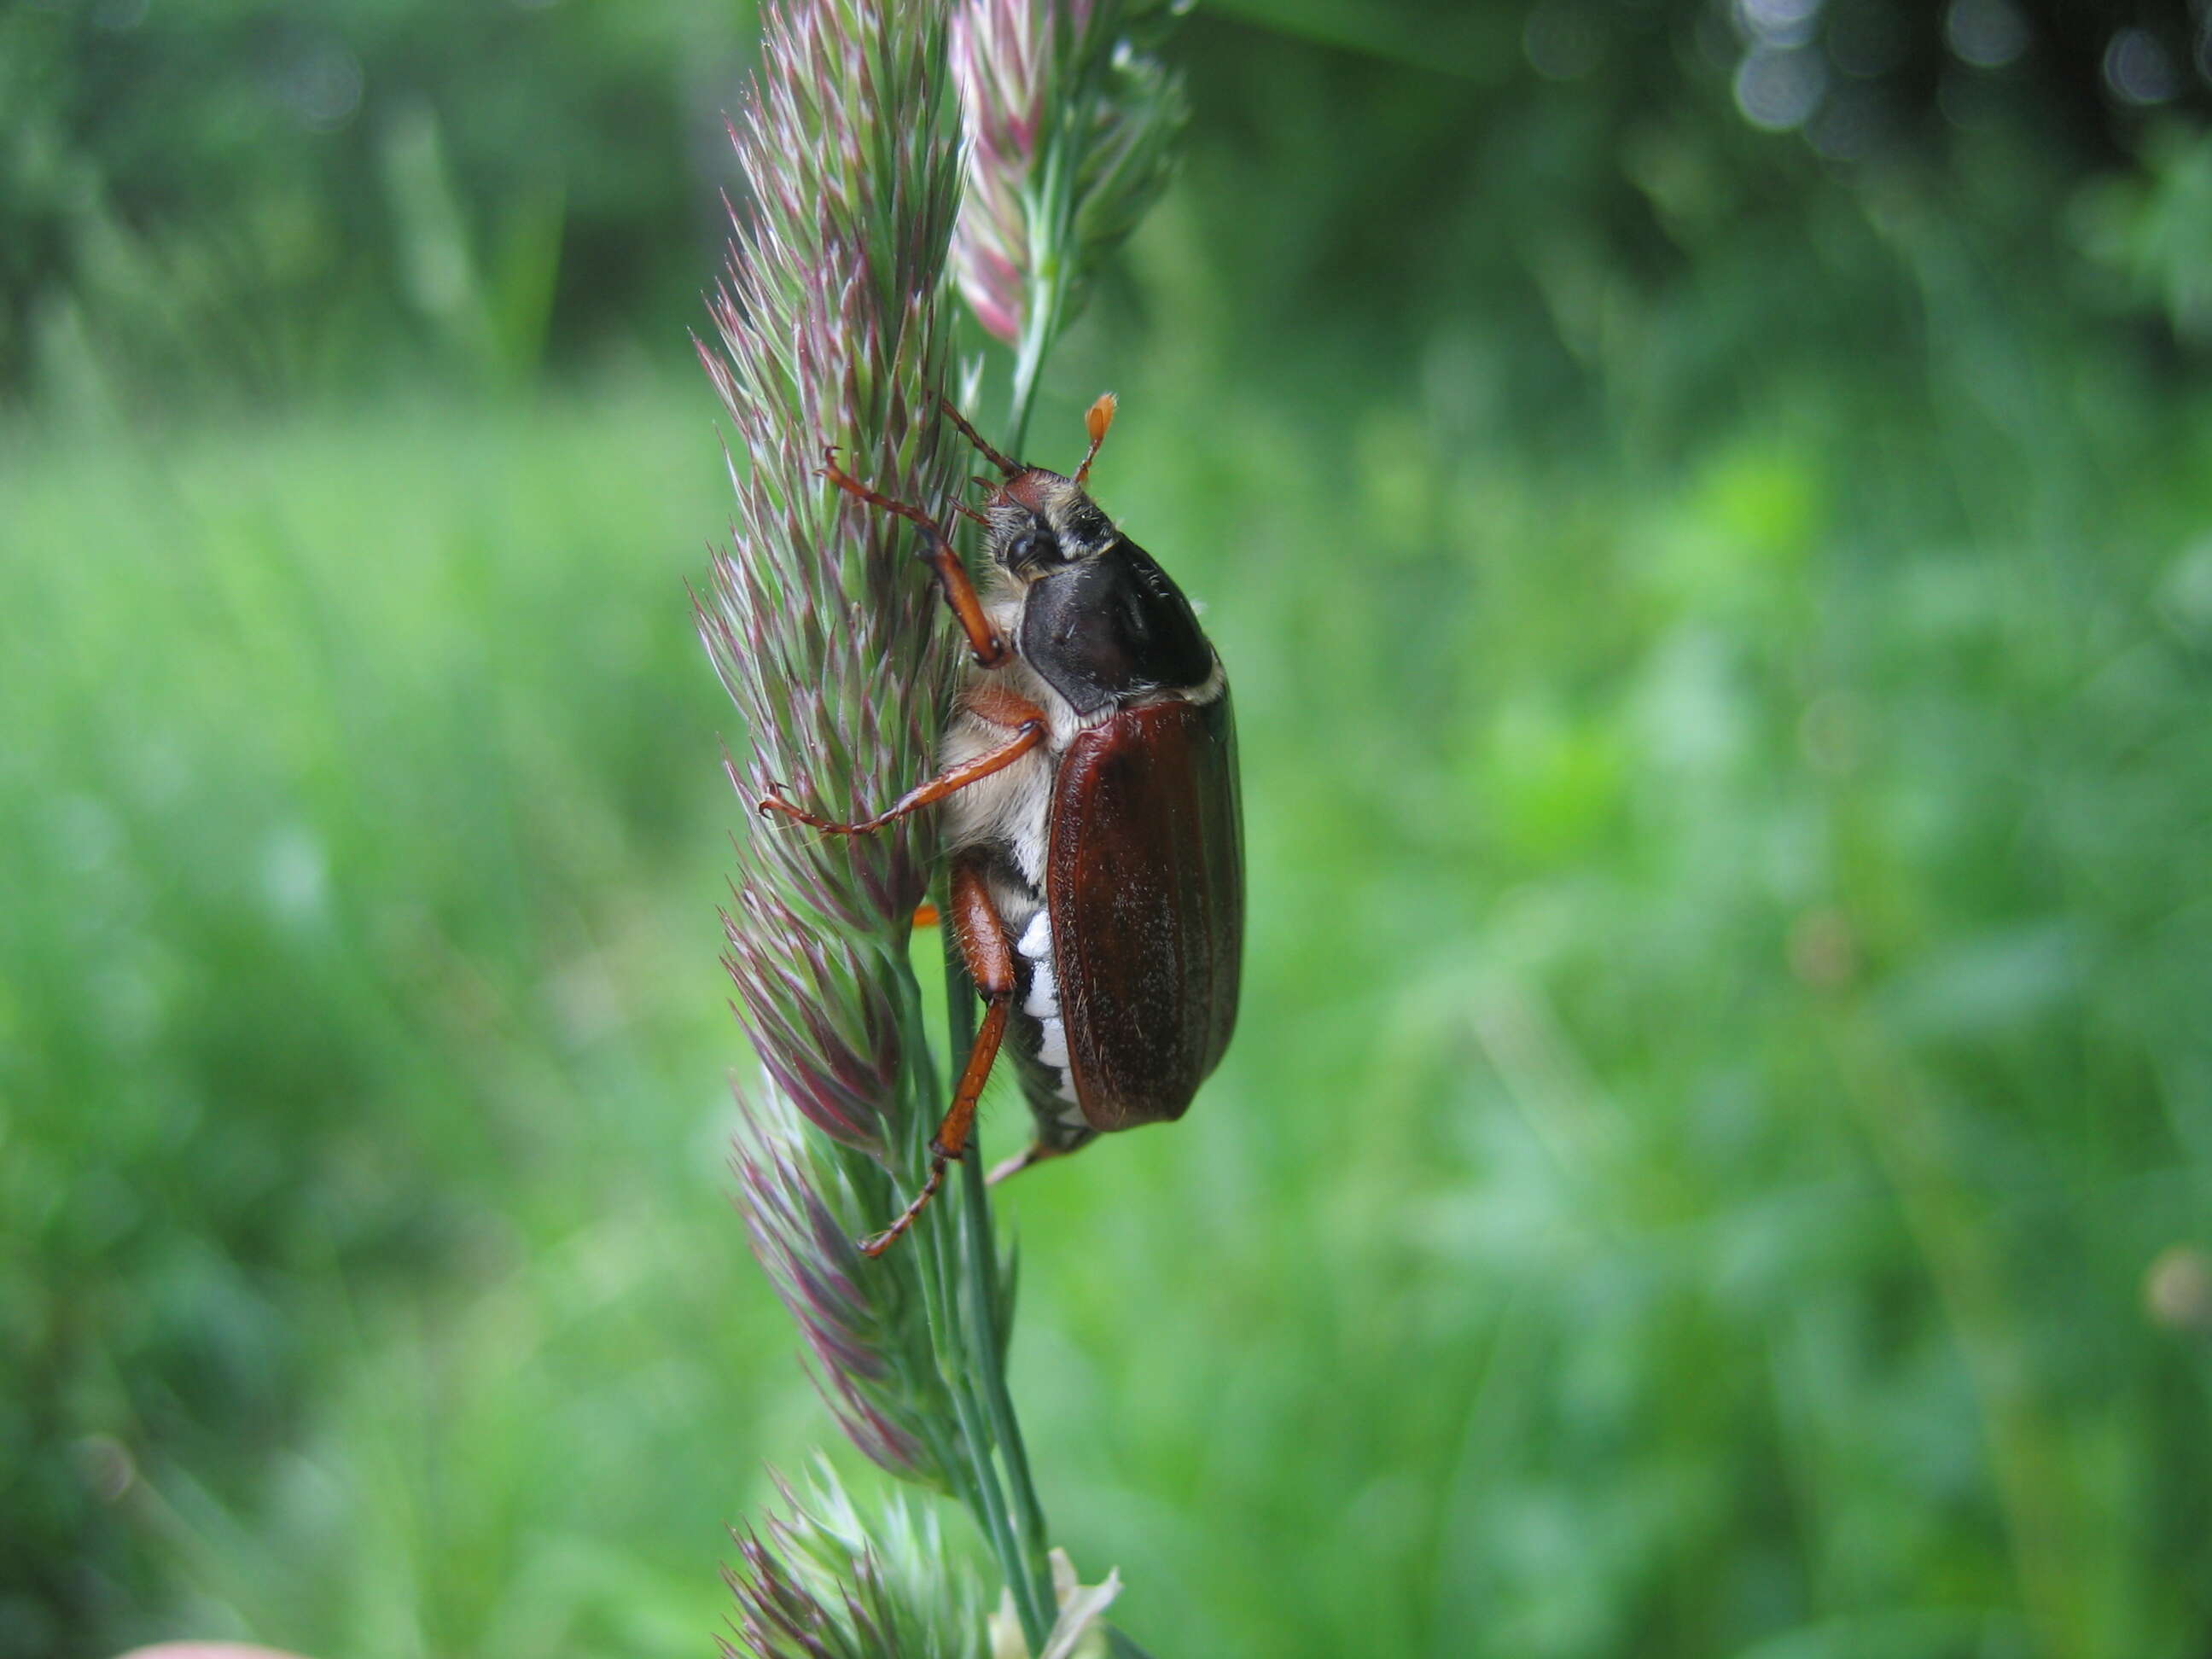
349	832
228	197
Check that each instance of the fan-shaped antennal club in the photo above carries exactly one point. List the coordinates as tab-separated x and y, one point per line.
1096	420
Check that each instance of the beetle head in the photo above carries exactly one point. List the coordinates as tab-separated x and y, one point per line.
1041	522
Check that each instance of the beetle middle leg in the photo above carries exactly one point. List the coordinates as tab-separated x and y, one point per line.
990	959
1031	731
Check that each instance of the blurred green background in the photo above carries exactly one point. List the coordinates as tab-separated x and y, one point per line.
1709	510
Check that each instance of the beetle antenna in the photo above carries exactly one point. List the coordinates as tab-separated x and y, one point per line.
1009	468
1096	420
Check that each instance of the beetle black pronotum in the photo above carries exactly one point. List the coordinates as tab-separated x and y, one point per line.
1090	777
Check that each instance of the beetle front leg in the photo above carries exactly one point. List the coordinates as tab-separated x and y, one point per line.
990	651
990	959
1027	736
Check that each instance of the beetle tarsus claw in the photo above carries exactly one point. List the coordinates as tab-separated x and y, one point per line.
876	1244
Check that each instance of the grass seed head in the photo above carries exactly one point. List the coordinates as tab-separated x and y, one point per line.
864	1323
817	1582
824	629
1071	123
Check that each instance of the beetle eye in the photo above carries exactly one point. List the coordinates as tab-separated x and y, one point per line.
1033	547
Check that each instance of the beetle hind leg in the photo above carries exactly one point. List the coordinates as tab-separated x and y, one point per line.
1039	1150
990	959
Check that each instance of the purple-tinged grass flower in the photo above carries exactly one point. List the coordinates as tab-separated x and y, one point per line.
864	1323
821	625
820	622
1072	123
815	1582
829	1036
824	629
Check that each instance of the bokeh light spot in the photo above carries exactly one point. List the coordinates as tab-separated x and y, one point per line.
1778	22
1778	91
322	87
1987	33
2138	70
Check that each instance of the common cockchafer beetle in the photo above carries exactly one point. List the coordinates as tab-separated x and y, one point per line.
1089	777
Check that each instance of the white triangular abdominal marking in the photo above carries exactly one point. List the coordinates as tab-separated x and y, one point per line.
1042	1003
1044	995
